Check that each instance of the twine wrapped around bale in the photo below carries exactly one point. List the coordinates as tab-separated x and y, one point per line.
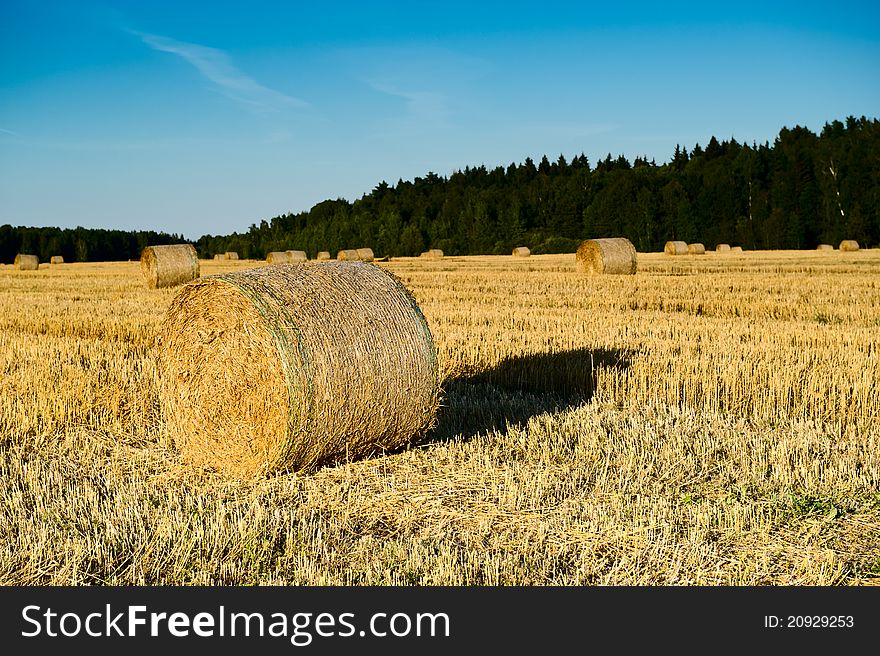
736	249
56	259
323	256
278	257
365	254
231	255
696	249
297	256
615	255
347	255
723	248
167	266
521	251
849	245
26	262
675	248
291	367
824	247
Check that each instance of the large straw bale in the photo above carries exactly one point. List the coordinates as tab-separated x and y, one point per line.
231	255
278	257
521	251
56	259
722	248
365	254
323	256
696	249
297	256
167	266
849	245
291	367
824	247
615	255
26	262
675	248
348	255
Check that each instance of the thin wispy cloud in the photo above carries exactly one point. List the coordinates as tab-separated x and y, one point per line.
428	106
9	132
217	67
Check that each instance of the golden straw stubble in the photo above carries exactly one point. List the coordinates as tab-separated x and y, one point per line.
294	366
613	255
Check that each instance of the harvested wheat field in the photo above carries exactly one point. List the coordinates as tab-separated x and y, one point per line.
705	421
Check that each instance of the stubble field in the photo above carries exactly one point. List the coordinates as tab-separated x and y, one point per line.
712	420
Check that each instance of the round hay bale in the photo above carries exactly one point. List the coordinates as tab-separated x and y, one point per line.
696	249
849	245
167	266
231	255
347	255
521	251
615	255
25	262
297	256
278	257
323	256
675	248
736	249
219	256
365	254
723	248
296	366
56	259
824	247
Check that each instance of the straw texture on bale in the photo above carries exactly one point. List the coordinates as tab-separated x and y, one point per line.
675	248
323	256
56	259
722	248
297	256
27	262
365	254
696	249
231	255
615	255
347	255
167	266
521	251
824	247
278	257
736	249
849	245
291	367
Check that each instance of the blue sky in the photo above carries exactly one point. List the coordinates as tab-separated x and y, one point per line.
205	117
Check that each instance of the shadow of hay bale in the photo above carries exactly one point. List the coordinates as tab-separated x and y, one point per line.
520	388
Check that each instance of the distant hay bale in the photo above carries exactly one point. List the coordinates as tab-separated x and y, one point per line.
432	254
167	266
675	248
56	259
849	245
723	248
297	256
696	249
25	262
323	256
231	255
347	255
278	257
615	255
219	256
736	249
521	251
365	254
824	247
256	374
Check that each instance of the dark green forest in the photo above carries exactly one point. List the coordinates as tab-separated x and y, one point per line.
802	190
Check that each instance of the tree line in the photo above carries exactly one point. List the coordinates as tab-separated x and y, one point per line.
802	190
